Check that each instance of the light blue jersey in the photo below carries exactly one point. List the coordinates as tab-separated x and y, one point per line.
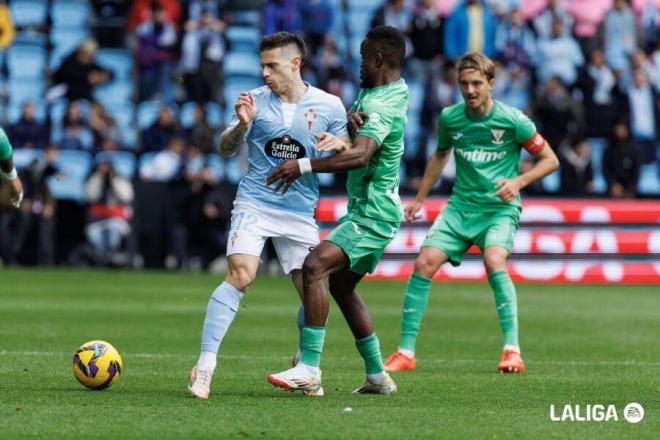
270	142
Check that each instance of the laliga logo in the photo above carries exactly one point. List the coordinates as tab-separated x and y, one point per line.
310	115
632	413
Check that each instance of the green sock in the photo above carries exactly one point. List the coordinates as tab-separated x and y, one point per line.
507	308
312	345
414	306
369	349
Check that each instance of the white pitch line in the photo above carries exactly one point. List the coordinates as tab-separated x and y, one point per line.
631	363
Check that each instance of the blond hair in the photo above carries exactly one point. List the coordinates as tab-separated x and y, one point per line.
478	62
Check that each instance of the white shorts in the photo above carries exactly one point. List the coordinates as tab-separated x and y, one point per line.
293	235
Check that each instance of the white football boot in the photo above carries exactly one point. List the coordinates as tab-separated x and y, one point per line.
200	382
387	386
298	378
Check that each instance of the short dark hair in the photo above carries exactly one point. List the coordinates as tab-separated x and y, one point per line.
390	42
281	39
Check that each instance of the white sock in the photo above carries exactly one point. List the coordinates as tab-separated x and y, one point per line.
376	378
308	368
407	353
207	361
512	348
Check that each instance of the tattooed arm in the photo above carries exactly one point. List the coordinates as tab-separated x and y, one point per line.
232	138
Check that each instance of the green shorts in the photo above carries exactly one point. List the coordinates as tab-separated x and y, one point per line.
363	240
454	231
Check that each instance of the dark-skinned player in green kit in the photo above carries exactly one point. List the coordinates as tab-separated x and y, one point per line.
374	214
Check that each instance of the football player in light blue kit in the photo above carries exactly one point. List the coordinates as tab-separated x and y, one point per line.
282	120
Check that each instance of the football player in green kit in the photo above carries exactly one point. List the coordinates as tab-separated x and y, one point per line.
8	172
374	214
487	137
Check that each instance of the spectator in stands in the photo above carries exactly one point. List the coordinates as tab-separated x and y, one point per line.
80	74
503	8
109	196
201	133
515	42
7	29
109	144
600	96
470	28
330	67
588	15
161	132
644	113
167	164
317	17
621	163
512	86
75	132
650	24
103	125
110	19
197	7
557	112
446	7
202	52
426	37
156	55
206	211
565	54
141	12
392	13
639	60
620	36
439	93
37	209
445	91
553	11
27	132
577	173
281	15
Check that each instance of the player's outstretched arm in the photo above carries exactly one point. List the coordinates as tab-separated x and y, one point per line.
431	175
508	189
232	138
358	156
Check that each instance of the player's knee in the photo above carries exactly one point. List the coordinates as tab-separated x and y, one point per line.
239	277
426	266
495	263
312	269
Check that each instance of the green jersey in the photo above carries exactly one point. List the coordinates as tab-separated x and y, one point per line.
486	150
5	146
373	190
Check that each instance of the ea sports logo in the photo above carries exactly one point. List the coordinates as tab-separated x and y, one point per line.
633	412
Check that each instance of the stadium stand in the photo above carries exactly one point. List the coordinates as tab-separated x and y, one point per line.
48	31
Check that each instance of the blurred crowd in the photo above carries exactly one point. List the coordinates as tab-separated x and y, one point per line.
586	71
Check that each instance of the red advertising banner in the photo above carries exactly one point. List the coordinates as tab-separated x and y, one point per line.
557	271
536	210
548	241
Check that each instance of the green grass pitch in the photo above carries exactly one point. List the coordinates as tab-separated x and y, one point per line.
582	345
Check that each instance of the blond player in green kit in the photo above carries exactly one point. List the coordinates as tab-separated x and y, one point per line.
374	215
487	137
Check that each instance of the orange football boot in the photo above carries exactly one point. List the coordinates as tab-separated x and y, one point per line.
399	362
511	362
